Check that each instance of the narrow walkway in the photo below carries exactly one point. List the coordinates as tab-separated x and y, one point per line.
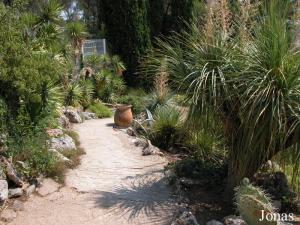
113	185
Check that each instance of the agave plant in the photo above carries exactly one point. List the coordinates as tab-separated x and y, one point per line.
252	88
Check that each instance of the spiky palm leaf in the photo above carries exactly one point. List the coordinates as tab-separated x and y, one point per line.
253	89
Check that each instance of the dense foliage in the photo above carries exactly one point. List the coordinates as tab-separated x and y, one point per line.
35	63
247	77
127	30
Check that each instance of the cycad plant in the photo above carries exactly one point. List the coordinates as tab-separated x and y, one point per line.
253	87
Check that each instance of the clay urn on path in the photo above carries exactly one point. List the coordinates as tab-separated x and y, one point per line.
123	115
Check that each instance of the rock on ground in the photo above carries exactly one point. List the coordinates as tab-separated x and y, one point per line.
3	191
29	190
73	115
214	222
234	220
63	143
10	172
59	156
150	149
89	115
64	122
54	132
186	218
15	192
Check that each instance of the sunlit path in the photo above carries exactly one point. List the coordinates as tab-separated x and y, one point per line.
113	185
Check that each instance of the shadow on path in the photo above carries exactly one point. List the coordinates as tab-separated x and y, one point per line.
141	196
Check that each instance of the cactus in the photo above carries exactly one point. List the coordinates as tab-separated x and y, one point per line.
251	201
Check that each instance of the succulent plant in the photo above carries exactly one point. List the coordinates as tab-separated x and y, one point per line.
250	201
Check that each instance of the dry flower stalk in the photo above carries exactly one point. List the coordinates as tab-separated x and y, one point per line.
161	81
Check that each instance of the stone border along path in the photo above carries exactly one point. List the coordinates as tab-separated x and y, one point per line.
114	185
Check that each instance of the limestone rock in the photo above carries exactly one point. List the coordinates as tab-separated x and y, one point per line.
186	218
54	132
3	191
64	122
8	215
131	132
151	150
89	115
73	115
234	220
214	222
29	190
59	156
15	192
2	173
62	143
10	172
140	142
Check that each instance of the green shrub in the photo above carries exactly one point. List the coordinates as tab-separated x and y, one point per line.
193	168
134	97
212	174
108	86
166	129
32	151
204	142
100	110
87	88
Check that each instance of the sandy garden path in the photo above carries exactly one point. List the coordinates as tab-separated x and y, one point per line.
114	185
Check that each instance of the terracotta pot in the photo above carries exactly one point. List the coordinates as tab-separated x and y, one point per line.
123	116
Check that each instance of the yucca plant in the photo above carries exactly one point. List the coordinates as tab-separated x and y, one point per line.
87	88
74	94
252	88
